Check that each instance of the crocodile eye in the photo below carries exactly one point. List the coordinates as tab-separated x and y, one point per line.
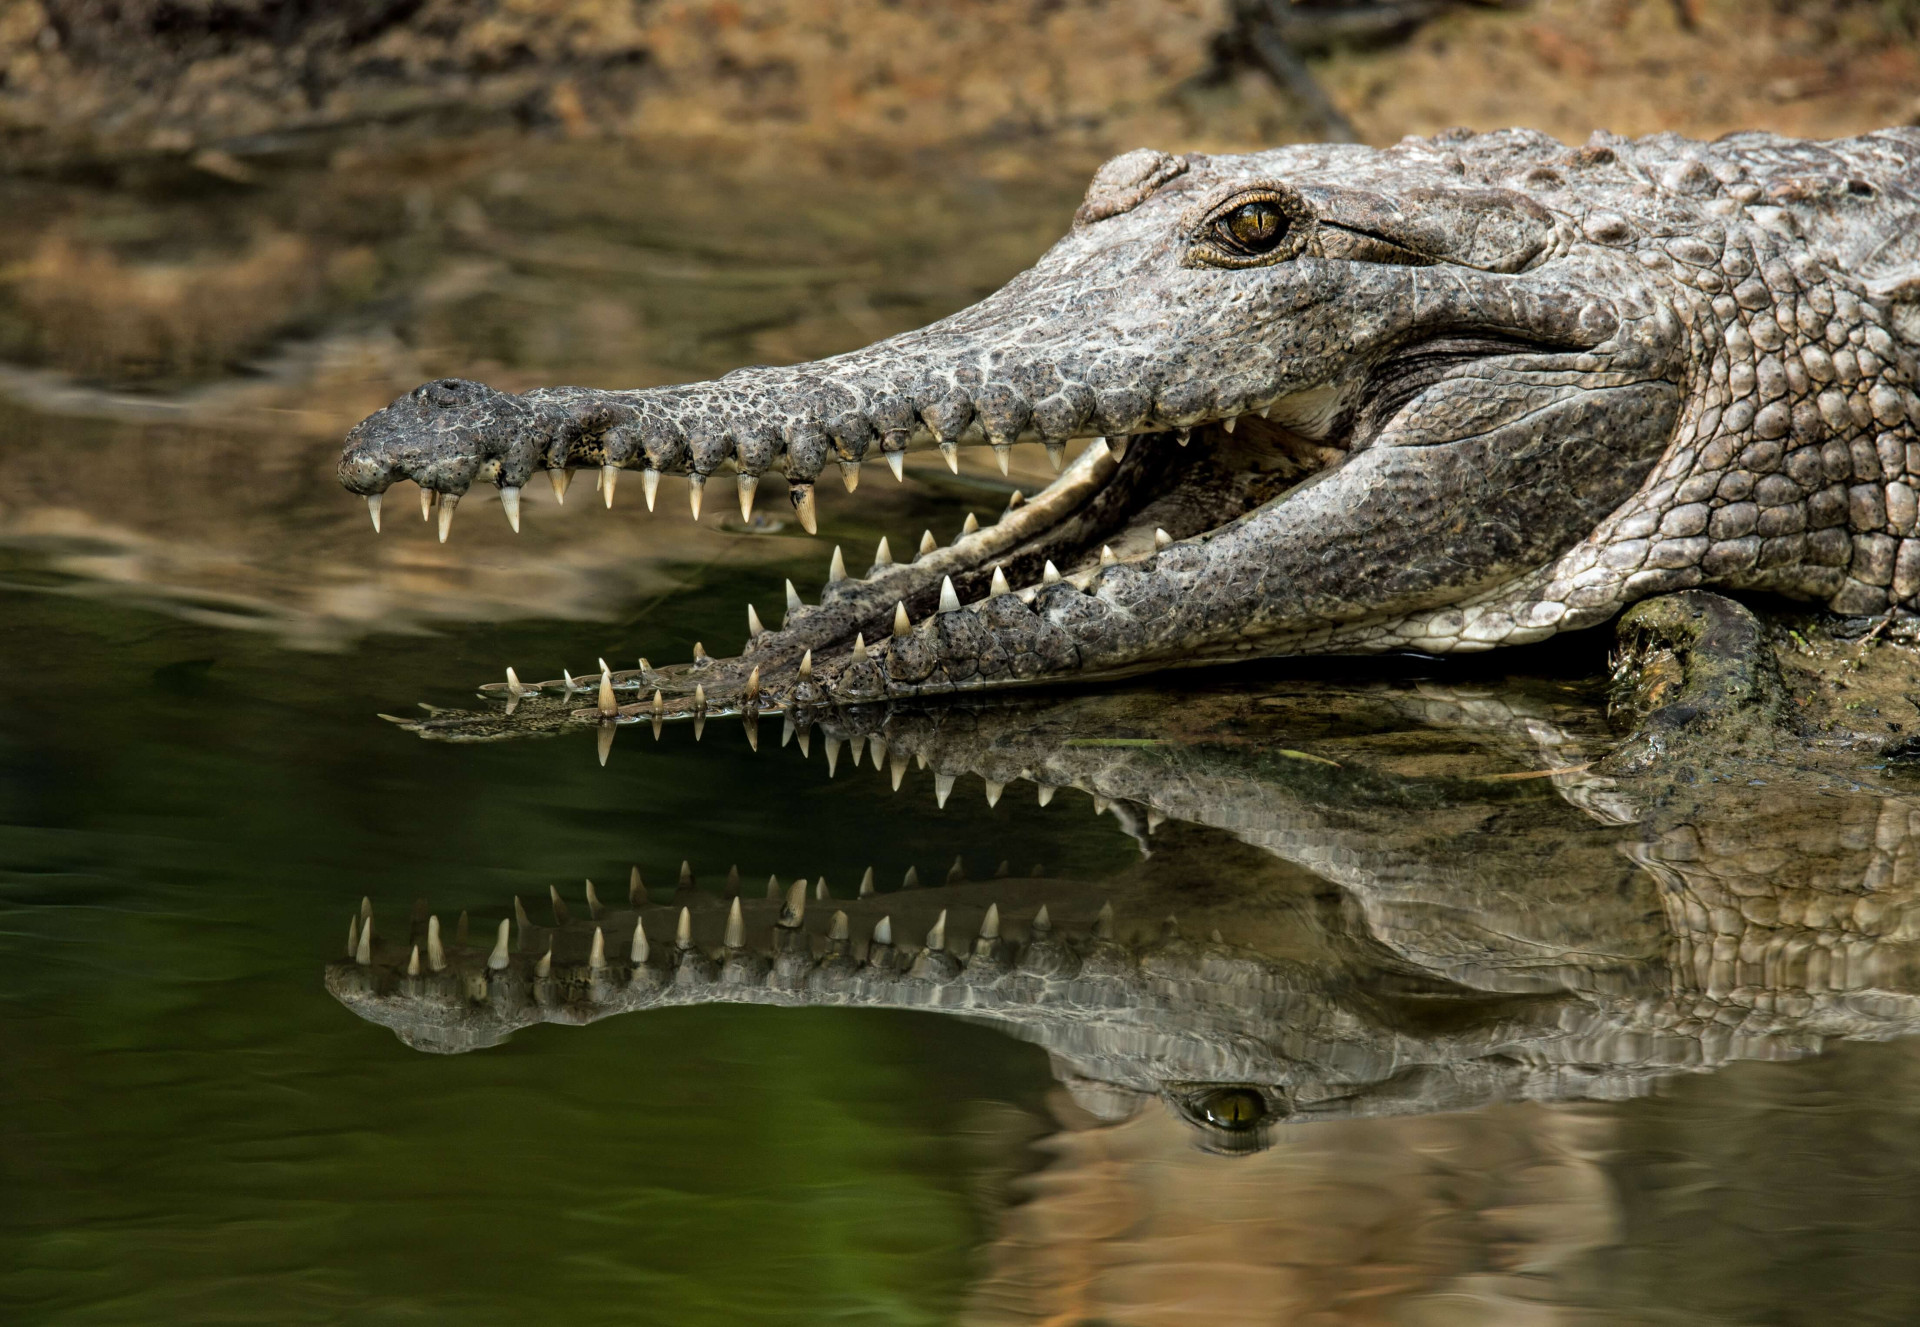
1235	1109
1254	228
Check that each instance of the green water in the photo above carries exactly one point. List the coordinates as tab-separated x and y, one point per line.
197	634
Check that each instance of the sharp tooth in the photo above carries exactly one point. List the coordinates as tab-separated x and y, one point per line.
513	683
993	792
1107	559
866	884
363	951
897	462
833	755
498	959
659	704
447	504
603	741
353	935
902	624
750	724
436	952
571	687
1002	456
969	526
649	486
957	872
942	789
699	697
696	484
773	887
898	767
1154	820
639	952
860	649
990	927
850	474
753	623
1266	411
609	476
1043	920
937	937
1100	805
806	666
820	894
597	956
794	603
882	556
927	544
736	937
560	914
510	504
786	729
1117	444
608	705
373	509
949	597
426	504
683	930
1162	540
636	889
1183	436
1017	501
747	484
1046	793
686	874
560	478
802	496
520	917
911	880
794	910
1050	574
836	569
753	685
1228	423
544	968
1000	585
1057	456
883	931
593	902
951	455
699	653
645	667
840	928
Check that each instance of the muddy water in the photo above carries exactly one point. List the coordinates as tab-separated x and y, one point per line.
1619	1115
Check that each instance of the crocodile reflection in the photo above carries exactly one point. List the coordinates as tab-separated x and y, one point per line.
1357	902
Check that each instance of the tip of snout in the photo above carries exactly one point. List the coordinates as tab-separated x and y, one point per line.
363	470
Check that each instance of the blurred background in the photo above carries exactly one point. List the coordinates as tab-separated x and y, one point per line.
231	228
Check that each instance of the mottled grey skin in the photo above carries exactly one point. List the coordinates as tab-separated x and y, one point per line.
1388	899
1528	386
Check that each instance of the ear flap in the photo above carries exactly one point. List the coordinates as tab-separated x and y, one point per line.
1495	230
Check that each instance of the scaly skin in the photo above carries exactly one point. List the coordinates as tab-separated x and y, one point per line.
1453	937
1529	386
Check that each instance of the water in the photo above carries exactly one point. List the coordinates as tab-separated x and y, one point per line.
199	631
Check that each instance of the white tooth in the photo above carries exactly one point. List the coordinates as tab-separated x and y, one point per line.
866	884
937	937
850	474
820	893
696	483
902	624
898	768
649	485
1161	539
609	476
426	504
597	956
840	927
949	597
1016	501
883	931
993	792
1107	559
802	495
363	948
990	926
544	968
897	462
1057	456
1183	436
436	952
747	485
1046	793
951	454
373	509
999	585
498	959
1100	805
1002	455
927	544
608	705
447	504
1050	574
1117	444
736	936
969	526
513	683
603	741
942	789
836	569
1042	920
753	623
860	649
699	652
882	556
510	504
794	604
636	888
806	666
911	880
683	930
1228	423
560	479
638	954
593	901
568	678
833	755
699	696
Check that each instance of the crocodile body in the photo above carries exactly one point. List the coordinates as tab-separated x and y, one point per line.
1368	901
1444	396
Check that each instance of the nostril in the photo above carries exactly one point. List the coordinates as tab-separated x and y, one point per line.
448	393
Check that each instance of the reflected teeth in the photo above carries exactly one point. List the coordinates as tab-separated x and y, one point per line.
510	504
447	504
373	510
649	486
748	484
609	476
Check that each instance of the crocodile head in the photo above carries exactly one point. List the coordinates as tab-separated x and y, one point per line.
1342	399
1356	902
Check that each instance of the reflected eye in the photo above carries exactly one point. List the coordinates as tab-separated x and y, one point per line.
1235	1109
1256	227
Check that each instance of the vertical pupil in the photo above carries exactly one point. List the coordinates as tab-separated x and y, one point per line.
1256	225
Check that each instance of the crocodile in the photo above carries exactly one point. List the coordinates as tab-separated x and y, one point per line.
1355	900
1463	392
